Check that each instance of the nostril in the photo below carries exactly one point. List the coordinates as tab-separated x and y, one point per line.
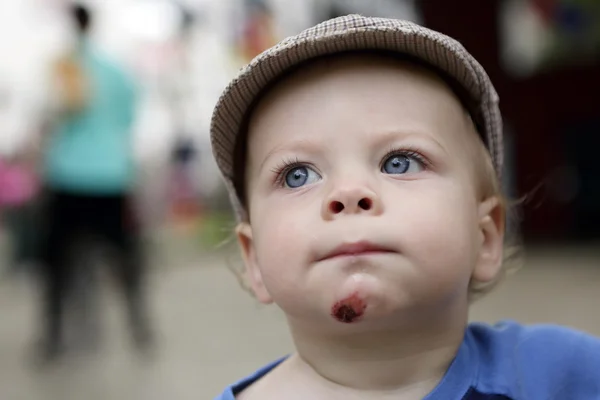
336	207
365	204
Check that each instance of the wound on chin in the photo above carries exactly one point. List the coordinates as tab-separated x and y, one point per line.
349	310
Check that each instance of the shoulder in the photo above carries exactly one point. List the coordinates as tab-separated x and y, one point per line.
538	361
233	392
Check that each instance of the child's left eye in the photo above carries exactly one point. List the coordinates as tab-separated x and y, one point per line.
399	163
300	176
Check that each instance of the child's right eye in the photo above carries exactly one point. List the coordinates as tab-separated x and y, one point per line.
299	176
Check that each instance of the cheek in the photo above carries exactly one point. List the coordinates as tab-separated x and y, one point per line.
440	233
281	237
285	221
443	224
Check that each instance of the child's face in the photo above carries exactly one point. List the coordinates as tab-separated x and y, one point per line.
377	156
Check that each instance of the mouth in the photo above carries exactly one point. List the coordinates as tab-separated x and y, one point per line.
356	249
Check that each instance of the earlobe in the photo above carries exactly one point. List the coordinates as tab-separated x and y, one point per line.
253	274
491	227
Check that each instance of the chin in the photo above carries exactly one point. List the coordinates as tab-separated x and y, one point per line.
369	291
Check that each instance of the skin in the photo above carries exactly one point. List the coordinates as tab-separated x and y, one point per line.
340	118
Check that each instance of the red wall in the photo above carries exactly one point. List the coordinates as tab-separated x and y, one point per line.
538	109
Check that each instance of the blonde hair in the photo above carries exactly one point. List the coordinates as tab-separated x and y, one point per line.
488	185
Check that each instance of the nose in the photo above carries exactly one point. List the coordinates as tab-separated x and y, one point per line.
351	200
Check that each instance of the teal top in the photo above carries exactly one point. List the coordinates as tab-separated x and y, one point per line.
91	151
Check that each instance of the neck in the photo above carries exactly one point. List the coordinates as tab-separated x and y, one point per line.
413	357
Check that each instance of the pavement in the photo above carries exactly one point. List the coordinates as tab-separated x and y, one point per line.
211	332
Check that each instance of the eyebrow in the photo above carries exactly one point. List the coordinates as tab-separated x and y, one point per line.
303	145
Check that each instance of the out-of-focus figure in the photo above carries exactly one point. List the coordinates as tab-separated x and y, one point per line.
258	31
18	189
89	177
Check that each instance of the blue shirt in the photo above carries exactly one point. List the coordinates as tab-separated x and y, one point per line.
91	151
509	362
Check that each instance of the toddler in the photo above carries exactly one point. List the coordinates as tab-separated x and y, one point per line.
363	158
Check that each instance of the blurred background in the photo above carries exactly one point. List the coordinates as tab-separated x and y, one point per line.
206	331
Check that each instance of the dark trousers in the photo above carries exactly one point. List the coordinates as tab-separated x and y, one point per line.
106	218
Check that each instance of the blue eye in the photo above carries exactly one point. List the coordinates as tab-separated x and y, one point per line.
300	176
397	164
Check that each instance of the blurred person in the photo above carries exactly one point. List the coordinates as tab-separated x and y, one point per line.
18	195
184	193
365	173
258	31
186	206
89	177
19	184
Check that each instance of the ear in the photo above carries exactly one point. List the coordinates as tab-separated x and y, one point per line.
246	242
491	233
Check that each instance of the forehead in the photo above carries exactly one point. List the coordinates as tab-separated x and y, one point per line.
367	93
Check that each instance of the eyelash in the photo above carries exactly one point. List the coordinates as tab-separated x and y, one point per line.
412	152
286	165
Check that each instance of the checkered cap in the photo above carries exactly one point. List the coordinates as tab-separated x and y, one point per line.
352	33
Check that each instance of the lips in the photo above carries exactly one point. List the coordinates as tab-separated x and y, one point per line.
356	249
